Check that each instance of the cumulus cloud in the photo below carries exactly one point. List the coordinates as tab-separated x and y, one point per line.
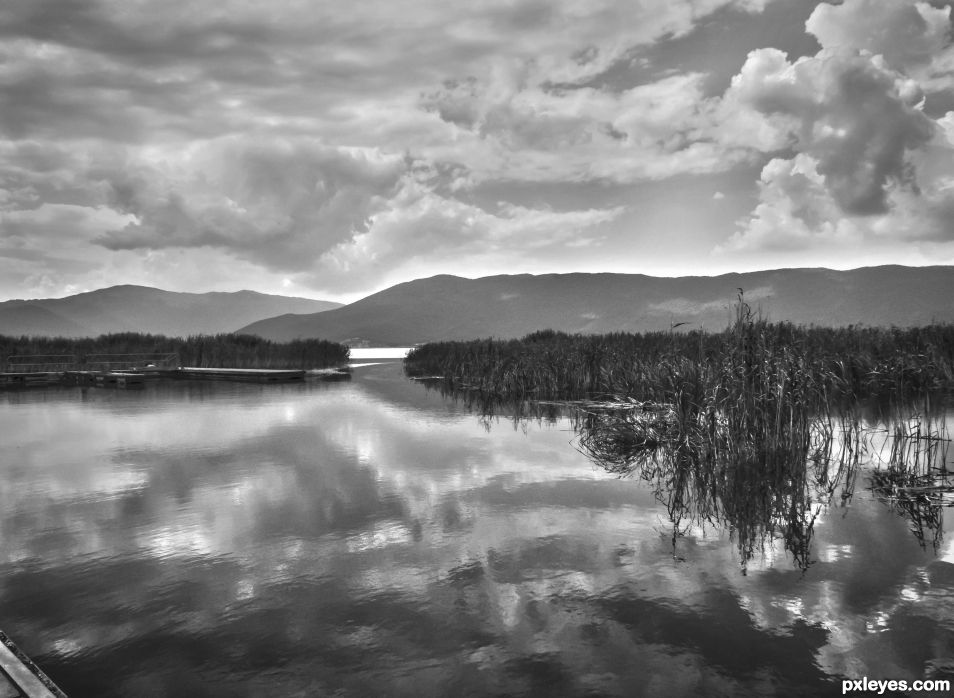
333	218
906	34
856	117
422	229
866	163
282	201
651	131
796	210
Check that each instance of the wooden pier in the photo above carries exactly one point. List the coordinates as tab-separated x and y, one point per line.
132	370
133	378
123	380
30	378
104	370
255	375
20	677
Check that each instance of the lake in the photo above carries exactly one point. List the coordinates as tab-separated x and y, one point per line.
372	537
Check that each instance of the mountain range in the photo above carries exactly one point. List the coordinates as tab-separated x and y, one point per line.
450	307
145	309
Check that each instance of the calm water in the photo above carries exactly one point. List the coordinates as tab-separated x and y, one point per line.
372	538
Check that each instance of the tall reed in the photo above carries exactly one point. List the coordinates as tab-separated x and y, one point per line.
755	427
752	360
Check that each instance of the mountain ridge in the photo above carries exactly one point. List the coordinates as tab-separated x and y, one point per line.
451	307
133	308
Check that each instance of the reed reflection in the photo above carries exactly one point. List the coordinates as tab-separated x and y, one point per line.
762	475
917	480
707	473
756	429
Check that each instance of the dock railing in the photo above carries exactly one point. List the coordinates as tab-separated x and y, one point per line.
58	363
40	363
125	362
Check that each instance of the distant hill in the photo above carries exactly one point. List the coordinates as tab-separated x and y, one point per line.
144	309
450	307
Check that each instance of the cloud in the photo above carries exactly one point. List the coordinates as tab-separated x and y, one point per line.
906	34
52	235
331	218
282	202
858	161
912	37
42	248
797	212
853	115
650	131
421	229
346	147
306	139
33	173
129	71
134	72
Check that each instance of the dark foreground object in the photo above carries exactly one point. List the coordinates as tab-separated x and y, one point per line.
20	677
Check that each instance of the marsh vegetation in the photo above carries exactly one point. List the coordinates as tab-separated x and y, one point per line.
754	361
219	351
757	429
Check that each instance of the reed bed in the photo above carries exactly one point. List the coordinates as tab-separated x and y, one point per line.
756	428
218	351
756	360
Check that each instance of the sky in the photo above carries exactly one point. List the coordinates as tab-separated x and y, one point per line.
331	150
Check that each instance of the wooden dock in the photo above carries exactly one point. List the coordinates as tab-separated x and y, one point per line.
255	375
20	677
103	379
30	378
119	379
136	377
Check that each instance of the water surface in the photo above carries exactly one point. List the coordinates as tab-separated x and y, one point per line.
373	538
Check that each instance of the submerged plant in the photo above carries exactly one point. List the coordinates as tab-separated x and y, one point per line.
771	489
915	479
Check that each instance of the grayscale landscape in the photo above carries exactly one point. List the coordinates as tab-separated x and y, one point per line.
502	349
